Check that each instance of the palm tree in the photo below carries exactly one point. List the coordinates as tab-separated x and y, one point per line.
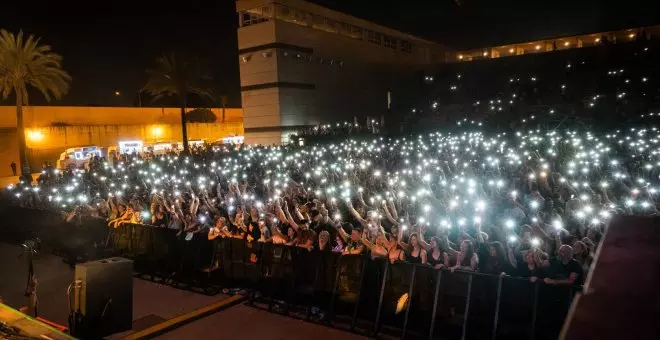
177	77
23	62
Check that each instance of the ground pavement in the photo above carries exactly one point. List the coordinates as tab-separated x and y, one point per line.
153	304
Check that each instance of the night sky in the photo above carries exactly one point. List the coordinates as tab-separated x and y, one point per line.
107	46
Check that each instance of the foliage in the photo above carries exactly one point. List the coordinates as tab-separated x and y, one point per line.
24	62
175	76
200	115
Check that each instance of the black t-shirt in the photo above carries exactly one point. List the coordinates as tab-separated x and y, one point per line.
524	271
561	271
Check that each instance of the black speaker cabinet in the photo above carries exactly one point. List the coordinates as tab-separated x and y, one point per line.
105	296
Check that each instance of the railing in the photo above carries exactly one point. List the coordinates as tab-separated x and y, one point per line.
354	291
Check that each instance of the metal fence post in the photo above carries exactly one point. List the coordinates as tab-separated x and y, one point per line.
497	306
331	308
410	292
357	303
380	299
536	303
435	303
295	262
467	307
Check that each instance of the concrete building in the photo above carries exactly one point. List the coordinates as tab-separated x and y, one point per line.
302	64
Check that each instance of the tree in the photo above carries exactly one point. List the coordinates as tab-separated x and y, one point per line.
174	76
201	115
24	62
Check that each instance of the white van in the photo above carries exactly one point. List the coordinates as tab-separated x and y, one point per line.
78	157
160	148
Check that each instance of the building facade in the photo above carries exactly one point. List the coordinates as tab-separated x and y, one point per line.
302	64
49	130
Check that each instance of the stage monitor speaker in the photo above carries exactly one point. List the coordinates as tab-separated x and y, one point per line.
104	299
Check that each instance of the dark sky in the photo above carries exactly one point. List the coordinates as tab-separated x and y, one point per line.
107	45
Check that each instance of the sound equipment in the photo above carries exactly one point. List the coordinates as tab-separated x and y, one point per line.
103	297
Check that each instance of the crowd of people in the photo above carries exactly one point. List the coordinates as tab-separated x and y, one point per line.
532	203
606	85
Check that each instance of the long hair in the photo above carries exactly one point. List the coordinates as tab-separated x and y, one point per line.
499	251
437	242
416	236
467	258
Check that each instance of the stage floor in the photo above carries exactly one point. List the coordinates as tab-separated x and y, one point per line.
152	302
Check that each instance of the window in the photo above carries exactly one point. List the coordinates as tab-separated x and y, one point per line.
300	17
331	26
390	42
405	46
252	17
374	37
344	29
267	11
356	32
283	13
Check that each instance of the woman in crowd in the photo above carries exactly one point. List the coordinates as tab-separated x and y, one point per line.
438	259
467	258
582	255
495	262
534	266
416	253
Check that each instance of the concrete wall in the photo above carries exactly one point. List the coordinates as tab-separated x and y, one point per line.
52	129
52	141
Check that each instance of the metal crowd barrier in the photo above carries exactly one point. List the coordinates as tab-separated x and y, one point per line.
356	292
353	292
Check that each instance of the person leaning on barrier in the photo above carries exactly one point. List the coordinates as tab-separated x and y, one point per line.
467	258
437	258
379	248
323	243
353	241
219	229
564	270
534	265
414	253
494	261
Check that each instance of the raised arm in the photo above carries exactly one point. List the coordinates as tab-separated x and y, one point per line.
356	214
388	215
289	218
342	233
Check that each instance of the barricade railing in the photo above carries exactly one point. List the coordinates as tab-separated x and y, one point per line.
347	291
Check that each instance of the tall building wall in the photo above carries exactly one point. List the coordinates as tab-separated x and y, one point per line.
302	64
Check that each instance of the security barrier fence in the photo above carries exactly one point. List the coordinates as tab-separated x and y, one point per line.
354	292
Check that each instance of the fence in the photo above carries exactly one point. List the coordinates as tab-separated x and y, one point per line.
355	292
